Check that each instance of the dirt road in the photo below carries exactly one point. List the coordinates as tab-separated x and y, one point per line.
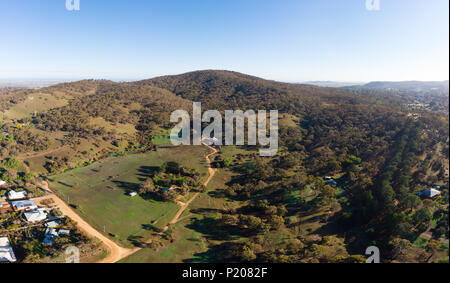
211	172
116	252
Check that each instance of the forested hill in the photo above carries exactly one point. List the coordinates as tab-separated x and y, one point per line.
380	153
232	90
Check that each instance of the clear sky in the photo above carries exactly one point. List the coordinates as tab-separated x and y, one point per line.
288	40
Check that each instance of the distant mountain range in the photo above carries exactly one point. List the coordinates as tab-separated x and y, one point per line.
416	86
332	83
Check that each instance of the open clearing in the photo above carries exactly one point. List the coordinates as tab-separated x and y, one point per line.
98	192
37	102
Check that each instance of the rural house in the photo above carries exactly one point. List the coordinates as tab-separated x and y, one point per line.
24	205
13	195
36	215
429	193
6	251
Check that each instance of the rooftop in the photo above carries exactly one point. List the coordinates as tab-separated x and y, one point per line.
36	215
430	193
6	251
13	195
24	205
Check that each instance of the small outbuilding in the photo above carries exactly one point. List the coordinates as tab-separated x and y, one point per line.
52	223
64	232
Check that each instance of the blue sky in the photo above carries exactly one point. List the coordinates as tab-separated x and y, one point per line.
288	40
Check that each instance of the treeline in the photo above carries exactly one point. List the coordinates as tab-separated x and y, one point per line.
388	210
170	181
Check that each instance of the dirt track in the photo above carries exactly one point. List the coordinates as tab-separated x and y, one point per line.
42	153
211	172
116	252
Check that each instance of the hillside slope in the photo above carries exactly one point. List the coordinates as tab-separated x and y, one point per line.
232	90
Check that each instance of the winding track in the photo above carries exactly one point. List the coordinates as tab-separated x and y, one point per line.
116	252
211	172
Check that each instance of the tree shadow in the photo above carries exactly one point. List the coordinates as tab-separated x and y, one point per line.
153	228
127	186
147	171
64	184
213	230
207	210
137	241
215	254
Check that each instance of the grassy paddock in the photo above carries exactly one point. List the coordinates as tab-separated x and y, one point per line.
99	192
191	243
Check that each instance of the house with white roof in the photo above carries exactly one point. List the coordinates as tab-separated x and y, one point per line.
36	215
64	232
6	251
429	193
13	195
24	205
3	183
